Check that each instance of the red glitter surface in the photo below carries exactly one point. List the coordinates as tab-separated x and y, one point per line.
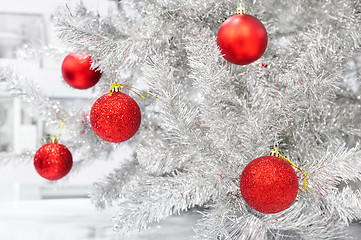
242	39
53	161
77	73
269	184
115	118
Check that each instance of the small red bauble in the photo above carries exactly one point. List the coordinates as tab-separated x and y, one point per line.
53	161
77	73
269	184
242	39
115	118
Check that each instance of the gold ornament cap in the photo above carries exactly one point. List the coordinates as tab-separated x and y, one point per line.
240	10
53	139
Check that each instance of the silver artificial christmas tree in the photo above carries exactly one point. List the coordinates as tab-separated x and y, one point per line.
207	119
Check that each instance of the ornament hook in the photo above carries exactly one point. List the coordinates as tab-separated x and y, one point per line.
116	88
276	153
61	128
54	138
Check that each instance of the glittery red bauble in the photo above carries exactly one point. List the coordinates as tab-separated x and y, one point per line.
53	161
242	39
77	73
115	118
269	184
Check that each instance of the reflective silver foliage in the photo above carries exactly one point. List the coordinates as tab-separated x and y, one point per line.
207	119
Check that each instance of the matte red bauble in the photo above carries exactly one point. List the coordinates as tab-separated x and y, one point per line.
53	161
115	118
269	184
77	73
242	39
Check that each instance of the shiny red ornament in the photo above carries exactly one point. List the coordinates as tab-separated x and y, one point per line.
269	184
77	73
115	118
242	39
53	161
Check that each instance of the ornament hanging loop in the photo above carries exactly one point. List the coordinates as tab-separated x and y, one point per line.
54	138
61	128
240	10
115	87
276	153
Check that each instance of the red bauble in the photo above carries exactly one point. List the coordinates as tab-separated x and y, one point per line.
115	118
53	161
269	184
77	73
242	39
